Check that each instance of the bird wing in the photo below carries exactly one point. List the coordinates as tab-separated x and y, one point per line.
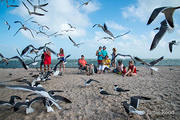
26	7
142	62
26	49
25	81
30	32
18	22
94	80
55	67
71	40
170	47
1	55
155	14
141	97
20	60
30	3
51	50
94	25
43	5
17	31
35	13
119	54
61	98
169	16
109	33
123	34
159	35
18	105
156	61
53	91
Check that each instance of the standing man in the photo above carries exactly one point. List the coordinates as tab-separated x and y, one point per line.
104	52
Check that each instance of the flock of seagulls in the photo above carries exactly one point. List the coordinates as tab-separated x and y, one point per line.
165	24
49	98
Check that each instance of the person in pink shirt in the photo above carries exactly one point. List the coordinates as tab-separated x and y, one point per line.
61	56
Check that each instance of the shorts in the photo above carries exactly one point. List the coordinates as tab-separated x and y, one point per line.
42	63
99	61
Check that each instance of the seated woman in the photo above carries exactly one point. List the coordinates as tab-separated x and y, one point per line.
84	66
131	69
119	67
106	64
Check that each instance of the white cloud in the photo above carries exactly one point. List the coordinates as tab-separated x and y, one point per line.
115	26
143	9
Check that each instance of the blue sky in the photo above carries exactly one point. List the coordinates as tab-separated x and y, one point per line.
119	15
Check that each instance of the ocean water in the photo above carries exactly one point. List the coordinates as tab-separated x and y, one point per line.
73	63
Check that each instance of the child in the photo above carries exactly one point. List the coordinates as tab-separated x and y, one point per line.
124	70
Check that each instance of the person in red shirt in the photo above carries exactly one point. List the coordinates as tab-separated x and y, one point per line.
61	55
131	69
83	65
47	59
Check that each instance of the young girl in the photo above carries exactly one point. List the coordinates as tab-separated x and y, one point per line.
47	59
131	69
61	55
113	55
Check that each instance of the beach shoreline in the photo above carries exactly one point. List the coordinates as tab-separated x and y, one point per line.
87	103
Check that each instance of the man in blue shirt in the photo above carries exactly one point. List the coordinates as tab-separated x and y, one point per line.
104	52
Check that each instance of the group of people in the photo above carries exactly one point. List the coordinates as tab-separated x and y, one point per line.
104	63
46	60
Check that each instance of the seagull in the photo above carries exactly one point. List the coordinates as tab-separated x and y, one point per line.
171	45
117	89
159	35
26	49
119	54
130	109
103	92
38	6
27	104
20	60
168	12
39	90
134	100
85	3
8	25
3	59
11	102
86	83
151	64
41	26
105	29
30	13
23	27
113	38
75	44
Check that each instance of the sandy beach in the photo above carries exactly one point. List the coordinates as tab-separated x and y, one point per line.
88	104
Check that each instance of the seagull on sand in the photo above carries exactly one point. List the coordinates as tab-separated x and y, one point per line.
75	44
168	12
23	27
134	103
159	35
11	102
30	13
39	90
118	89
88	82
151	64
103	92
171	45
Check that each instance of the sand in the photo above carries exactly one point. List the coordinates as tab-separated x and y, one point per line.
88	104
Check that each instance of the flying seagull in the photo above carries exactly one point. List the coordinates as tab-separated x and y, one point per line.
85	3
11	102
26	49
38	6
119	54
23	27
75	44
159	35
118	89
20	60
168	12
113	38
41	26
105	29
3	59
151	64
30	13
39	90
171	45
